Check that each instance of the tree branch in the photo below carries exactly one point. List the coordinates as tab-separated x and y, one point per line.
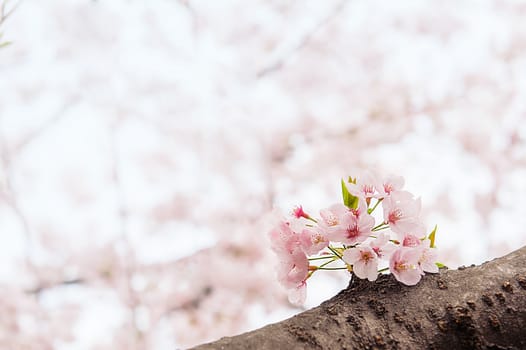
478	307
304	41
4	14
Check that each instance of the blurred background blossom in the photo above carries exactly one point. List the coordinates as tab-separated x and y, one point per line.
144	144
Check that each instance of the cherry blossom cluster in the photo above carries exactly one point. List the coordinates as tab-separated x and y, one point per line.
347	236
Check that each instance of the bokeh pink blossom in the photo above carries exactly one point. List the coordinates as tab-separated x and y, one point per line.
144	144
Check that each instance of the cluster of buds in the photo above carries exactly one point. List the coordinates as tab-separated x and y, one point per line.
346	236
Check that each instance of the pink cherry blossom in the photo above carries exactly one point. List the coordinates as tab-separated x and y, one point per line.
401	212
428	258
414	237
389	184
293	270
411	241
298	294
361	209
352	229
404	265
297	225
331	216
313	241
363	260
365	186
283	240
293	264
382	246
298	212
349	226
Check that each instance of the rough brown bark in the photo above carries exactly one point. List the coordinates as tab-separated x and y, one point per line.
478	307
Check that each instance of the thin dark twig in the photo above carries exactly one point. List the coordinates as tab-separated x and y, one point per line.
5	15
39	289
9	194
122	213
305	40
191	10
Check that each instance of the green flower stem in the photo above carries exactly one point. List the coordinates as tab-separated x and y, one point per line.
326	263
321	267
332	268
380	227
322	257
383	270
335	252
312	219
370	210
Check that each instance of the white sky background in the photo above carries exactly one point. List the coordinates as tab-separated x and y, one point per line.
179	124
